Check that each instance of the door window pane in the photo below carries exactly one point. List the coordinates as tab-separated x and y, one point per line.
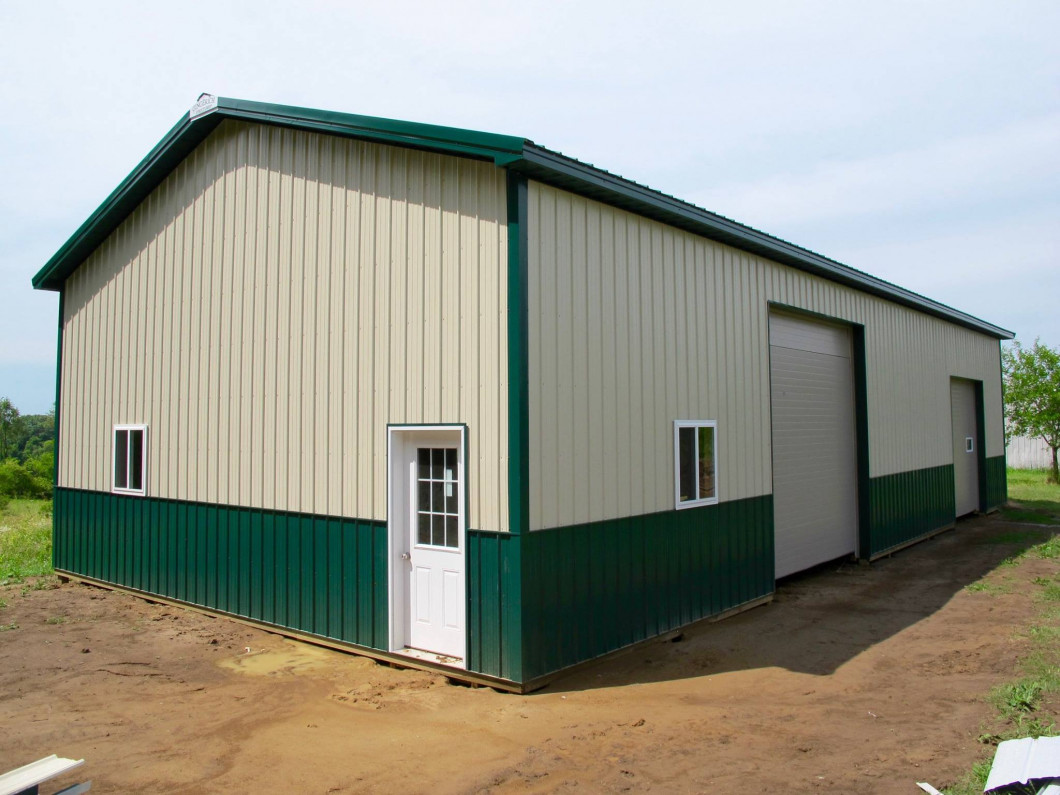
437	497
423	532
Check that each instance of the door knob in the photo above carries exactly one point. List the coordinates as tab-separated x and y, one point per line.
406	556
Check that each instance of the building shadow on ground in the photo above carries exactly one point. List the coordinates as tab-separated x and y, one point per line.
825	617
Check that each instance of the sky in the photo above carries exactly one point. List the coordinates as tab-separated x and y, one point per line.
917	141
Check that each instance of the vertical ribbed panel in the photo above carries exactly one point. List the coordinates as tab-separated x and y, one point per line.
322	575
278	300
908	505
494	605
594	588
633	324
996	482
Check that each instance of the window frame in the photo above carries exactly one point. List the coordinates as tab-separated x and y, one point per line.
128	427
698	501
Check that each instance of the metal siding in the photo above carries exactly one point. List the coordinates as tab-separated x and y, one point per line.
232	559
273	304
814	455
688	339
596	587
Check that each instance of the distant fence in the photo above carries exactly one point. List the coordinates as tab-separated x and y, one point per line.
1024	452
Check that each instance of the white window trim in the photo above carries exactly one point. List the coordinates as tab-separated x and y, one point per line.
678	425
114	455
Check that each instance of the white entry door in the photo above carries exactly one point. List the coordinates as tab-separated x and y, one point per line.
965	446
427	543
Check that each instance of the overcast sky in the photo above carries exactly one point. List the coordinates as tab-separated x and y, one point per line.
918	141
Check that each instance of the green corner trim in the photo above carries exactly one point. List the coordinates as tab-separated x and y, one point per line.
996	492
909	505
321	575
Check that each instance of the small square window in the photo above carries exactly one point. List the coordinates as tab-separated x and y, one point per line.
130	459
695	463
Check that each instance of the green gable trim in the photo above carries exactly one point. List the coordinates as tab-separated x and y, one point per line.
907	506
188	133
321	575
513	152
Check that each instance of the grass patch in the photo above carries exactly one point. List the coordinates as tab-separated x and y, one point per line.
1029	489
55	620
982	586
25	540
1025	707
8	627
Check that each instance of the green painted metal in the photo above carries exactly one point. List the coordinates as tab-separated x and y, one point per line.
996	492
593	588
909	505
494	604
316	574
861	428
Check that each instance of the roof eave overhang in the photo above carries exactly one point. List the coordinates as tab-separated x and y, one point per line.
555	169
517	154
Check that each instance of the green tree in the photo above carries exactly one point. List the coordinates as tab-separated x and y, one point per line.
10	428
1032	395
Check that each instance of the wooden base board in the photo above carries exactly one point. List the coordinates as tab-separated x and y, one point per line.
905	545
399	660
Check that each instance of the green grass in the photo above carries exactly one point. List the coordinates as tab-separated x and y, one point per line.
1027	706
1036	498
25	540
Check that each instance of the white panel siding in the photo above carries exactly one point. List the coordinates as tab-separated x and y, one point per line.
278	300
633	324
1026	452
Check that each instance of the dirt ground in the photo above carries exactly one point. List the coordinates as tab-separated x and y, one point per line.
855	679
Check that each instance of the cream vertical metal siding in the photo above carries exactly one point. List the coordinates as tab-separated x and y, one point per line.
277	301
633	324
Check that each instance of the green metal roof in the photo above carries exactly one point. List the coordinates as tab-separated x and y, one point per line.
517	154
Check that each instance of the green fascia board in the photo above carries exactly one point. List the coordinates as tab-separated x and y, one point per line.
518	154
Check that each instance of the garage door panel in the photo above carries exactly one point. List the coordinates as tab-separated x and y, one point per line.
814	461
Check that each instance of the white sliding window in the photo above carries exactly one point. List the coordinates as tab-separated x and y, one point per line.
695	463
130	459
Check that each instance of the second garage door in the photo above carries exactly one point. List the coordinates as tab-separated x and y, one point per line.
814	454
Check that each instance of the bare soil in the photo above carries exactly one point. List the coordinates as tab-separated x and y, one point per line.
855	679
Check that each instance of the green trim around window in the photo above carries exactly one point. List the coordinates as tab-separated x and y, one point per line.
908	506
320	575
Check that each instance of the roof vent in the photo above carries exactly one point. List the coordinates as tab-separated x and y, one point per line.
203	105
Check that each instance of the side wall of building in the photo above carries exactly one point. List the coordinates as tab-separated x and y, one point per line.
634	324
273	304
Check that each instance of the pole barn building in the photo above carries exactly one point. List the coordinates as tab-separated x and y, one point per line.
454	399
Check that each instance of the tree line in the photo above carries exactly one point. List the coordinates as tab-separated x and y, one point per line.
27	453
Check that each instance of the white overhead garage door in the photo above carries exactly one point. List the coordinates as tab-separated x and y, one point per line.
814	458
